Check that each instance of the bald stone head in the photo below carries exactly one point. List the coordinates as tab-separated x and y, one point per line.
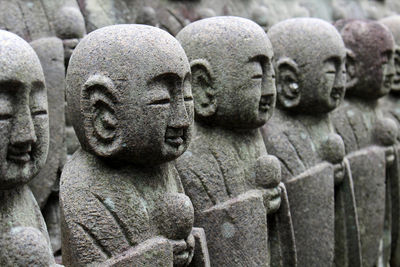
393	23
24	133
232	76
69	26
129	95
309	57
369	59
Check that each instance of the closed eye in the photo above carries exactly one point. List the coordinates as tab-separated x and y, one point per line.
39	112
4	117
188	98
331	72
163	101
257	76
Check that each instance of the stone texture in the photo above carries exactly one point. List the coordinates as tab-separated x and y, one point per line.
51	55
309	62
121	197
24	137
232	181
368	135
40	22
389	104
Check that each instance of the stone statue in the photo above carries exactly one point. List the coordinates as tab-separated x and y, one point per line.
130	102
70	28
390	105
368	136
310	67
24	136
233	183
53	29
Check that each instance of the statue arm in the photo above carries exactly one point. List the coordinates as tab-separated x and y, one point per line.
90	232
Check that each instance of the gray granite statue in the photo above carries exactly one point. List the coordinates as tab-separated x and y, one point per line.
233	183
130	102
310	67
70	28
390	105
53	29
368	135
24	137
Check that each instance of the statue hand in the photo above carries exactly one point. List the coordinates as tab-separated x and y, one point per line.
338	172
183	250
389	155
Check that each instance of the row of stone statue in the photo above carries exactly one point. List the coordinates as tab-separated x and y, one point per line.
150	187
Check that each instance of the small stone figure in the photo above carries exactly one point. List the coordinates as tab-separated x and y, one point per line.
390	102
130	102
232	181
40	22
390	105
310	66
24	137
368	136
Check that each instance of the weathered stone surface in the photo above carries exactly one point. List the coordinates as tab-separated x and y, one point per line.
24	137
51	55
391	108
309	62
120	192
227	173
201	256
40	21
367	134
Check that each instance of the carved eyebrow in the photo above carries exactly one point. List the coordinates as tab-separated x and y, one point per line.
387	53
37	85
10	85
335	59
259	58
169	76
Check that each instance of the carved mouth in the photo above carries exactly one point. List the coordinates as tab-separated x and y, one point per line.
265	103
175	137
174	141
19	155
337	93
387	83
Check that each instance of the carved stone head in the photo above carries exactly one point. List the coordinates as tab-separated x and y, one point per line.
24	125
310	65
129	94
369	61
233	79
393	23
70	27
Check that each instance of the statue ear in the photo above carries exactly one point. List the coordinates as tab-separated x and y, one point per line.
351	78
100	122
205	102
287	85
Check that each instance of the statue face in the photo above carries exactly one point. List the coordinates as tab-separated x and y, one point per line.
246	86
156	116
323	82
23	126
310	64
372	62
387	71
396	77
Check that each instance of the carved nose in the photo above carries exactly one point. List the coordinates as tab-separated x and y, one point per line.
23	131
391	66
179	116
